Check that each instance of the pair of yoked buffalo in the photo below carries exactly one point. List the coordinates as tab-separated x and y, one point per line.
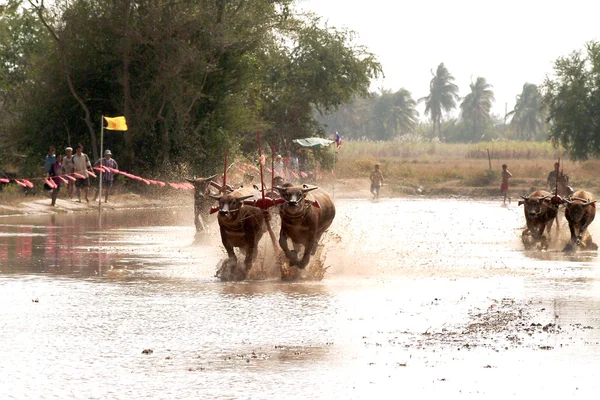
306	213
541	209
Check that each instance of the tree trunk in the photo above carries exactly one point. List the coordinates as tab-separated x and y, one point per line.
126	83
63	56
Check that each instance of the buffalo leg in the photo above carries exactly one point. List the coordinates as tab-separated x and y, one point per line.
228	247
196	215
283	242
309	249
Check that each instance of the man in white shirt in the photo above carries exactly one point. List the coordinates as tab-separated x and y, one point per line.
68	168
81	163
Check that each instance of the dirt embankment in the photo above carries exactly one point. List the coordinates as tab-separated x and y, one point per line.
40	204
14	204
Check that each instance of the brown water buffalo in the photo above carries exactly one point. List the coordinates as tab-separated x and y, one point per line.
201	201
580	211
539	214
241	226
306	213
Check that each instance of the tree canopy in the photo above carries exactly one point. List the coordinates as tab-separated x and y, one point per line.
190	76
572	96
528	114
443	95
476	106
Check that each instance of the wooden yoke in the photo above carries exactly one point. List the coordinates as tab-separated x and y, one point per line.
264	204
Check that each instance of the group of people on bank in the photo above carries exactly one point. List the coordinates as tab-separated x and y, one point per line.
78	166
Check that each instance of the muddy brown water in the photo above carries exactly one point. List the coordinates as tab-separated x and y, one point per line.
422	297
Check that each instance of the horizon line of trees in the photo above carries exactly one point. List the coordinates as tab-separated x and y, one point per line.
565	109
387	115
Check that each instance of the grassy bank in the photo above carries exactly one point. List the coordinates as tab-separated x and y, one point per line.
442	168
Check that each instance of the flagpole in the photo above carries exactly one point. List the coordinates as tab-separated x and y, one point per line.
334	176
100	180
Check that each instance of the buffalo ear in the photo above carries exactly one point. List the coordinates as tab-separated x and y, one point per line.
521	202
190	180
280	189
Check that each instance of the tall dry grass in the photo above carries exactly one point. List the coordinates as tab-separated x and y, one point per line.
415	164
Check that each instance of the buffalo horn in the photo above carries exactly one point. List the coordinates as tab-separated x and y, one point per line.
306	188
242	198
212	196
190	180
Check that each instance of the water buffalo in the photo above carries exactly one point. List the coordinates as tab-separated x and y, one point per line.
201	202
580	211
304	218
539	214
241	226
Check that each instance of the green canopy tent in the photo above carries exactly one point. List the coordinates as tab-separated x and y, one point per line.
313	142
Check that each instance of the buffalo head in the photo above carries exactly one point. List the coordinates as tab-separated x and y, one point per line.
294	196
200	185
535	206
577	208
229	204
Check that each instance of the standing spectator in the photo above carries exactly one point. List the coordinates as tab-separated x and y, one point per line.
505	177
552	177
107	177
50	159
376	181
278	166
68	168
55	172
82	163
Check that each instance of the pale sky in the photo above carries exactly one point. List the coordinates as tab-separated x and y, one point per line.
508	42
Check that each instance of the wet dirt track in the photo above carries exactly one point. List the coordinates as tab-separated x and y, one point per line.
422	297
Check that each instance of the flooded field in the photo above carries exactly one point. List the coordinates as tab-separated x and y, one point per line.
421	297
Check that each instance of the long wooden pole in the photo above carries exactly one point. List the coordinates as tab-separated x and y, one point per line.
262	188
224	187
101	150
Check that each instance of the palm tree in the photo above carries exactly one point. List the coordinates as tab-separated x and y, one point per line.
528	114
443	95
476	106
394	113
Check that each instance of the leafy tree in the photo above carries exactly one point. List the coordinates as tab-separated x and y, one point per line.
528	114
443	96
476	106
572	97
190	76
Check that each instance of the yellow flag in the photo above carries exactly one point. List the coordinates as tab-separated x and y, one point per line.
116	123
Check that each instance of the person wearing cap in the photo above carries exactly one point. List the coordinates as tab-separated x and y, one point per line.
278	166
81	163
107	176
68	168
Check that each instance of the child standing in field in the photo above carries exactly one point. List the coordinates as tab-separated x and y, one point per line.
504	187
376	181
